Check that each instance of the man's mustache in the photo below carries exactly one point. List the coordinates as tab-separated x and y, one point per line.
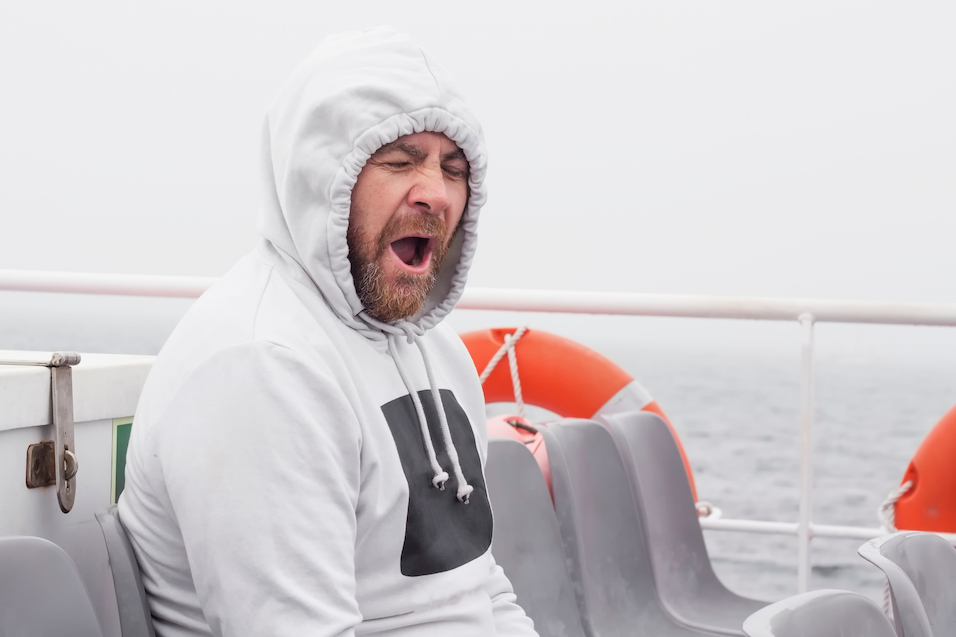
413	224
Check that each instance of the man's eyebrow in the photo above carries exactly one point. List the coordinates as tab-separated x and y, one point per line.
455	154
417	153
411	150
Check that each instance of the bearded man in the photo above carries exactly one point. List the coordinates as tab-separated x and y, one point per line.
307	454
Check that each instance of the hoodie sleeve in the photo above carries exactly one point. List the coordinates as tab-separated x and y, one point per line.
510	619
260	457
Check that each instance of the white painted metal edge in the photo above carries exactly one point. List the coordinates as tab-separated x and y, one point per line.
104	386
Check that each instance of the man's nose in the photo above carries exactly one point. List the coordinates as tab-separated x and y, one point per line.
429	192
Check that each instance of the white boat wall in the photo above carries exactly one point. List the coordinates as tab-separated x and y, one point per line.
106	388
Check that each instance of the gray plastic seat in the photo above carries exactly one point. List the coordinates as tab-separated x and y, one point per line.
135	619
527	543
686	582
921	571
825	613
604	540
41	593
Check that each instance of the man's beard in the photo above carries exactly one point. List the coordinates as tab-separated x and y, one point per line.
390	301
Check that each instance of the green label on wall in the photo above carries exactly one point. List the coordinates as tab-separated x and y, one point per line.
121	430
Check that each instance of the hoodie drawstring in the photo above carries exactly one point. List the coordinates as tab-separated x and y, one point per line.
464	489
441	476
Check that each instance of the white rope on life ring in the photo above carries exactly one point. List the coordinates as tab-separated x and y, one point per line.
508	348
887	516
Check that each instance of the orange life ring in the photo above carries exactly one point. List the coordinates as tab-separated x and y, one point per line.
561	376
930	502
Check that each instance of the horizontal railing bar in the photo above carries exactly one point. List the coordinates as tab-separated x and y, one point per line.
615	303
187	287
791	528
849	532
727	307
749	526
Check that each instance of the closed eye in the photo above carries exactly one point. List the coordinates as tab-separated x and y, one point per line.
455	173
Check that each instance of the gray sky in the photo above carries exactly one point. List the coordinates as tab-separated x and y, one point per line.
787	149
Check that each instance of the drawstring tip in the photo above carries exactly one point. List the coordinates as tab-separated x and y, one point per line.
439	480
464	493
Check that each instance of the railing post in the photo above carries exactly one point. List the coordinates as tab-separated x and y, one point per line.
806	455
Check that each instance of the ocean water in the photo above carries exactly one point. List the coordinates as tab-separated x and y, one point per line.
731	389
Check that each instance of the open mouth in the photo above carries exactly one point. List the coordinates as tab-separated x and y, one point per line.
413	251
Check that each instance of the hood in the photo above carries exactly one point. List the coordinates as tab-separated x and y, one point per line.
355	93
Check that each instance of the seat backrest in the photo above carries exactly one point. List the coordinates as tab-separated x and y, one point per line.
921	570
686	581
603	538
41	592
825	613
930	563
135	619
526	541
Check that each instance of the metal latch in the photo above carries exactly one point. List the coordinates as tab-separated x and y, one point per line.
54	462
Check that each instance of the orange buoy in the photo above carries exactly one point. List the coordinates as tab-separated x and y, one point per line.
561	376
929	504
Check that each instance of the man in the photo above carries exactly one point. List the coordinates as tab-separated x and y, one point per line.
307	454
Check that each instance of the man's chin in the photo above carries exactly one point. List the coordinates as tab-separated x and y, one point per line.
396	307
394	296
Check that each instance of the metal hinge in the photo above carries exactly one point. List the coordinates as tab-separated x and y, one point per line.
54	462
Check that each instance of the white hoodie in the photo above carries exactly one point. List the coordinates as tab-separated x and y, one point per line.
278	480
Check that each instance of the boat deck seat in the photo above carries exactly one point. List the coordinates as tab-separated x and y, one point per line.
41	592
686	583
920	569
604	539
135	618
526	541
824	613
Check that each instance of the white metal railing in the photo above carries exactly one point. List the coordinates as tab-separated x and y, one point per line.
805	311
673	305
187	287
728	307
